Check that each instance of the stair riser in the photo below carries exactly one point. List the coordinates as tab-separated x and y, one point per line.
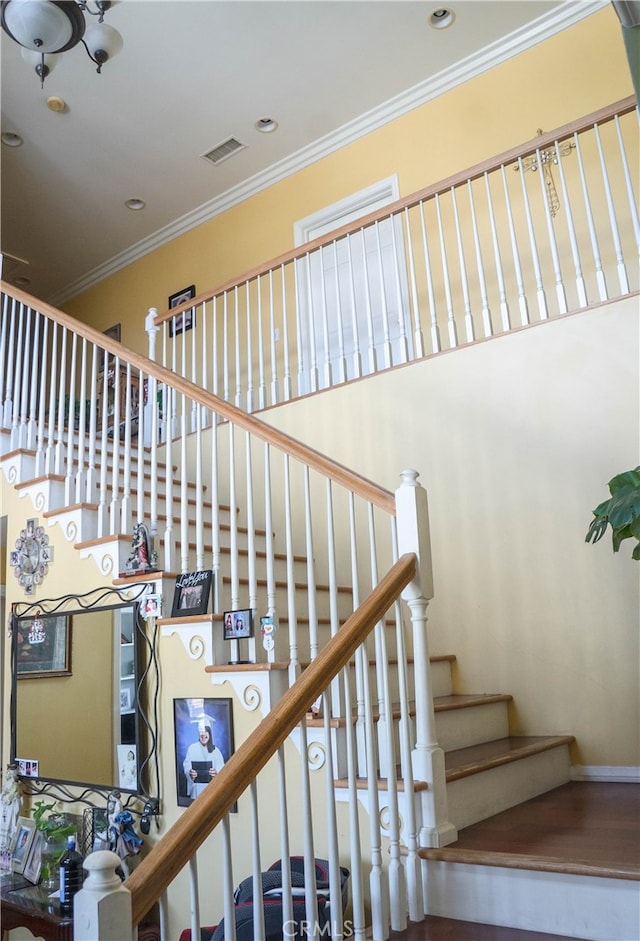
459	728
584	907
489	792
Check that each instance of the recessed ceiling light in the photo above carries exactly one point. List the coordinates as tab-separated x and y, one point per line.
441	18
265	125
21	282
135	204
9	139
56	104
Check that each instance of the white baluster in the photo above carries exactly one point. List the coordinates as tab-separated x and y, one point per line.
504	305
227	881
169	539
287	385
236	344
68	480
258	907
334	619
103	513
341	365
144	418
262	386
535	260
484	299
125	506
355	329
194	897
199	494
623	280
435	329
333	850
451	322
285	849
214	346
250	363
515	253
20	376
326	342
215	518
299	347
294	656
386	344
184	490
313	361
5	361
355	843
42	400
580	283
252	588
418	338
272	344
633	208
403	346
468	319
204	412
60	450
114	508
10	361
233	532
268	522
599	271
310	891
311	575
225	347
82	426
373	358
53	380
560	293
36	354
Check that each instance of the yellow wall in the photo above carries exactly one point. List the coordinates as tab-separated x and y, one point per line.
515	440
579	70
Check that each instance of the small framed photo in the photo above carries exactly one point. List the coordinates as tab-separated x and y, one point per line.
238	624
204	743
25	832
31	869
185	320
125	699
191	594
43	646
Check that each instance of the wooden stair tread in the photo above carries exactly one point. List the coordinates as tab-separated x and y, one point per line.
463	700
577	867
476	758
383	785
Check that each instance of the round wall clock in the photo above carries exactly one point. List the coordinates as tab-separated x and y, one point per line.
31	557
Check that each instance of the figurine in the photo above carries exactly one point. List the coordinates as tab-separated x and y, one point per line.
10	803
138	561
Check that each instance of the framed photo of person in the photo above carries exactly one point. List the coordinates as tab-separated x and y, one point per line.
203	743
25	832
186	319
238	624
32	866
191	595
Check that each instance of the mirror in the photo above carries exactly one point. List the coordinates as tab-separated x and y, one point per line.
79	681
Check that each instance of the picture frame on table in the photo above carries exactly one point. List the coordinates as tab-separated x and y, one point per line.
25	833
186	319
33	864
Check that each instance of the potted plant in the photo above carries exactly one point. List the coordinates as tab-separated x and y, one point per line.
621	512
55	828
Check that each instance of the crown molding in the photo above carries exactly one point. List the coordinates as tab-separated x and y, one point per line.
571	12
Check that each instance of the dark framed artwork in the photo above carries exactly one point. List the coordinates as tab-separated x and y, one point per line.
43	646
191	594
113	332
203	743
238	624
185	320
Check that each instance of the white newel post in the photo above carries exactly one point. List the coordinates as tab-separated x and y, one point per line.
412	515
102	908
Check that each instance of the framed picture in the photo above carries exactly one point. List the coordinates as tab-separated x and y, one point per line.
113	332
238	624
43	646
191	594
185	320
25	832
204	743
31	869
125	699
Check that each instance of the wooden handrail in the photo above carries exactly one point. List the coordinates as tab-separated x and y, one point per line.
283	442
156	872
624	106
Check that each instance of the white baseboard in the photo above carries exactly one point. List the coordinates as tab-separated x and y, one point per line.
603	773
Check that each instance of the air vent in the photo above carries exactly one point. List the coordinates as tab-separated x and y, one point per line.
227	149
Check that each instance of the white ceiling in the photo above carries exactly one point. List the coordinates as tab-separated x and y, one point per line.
193	73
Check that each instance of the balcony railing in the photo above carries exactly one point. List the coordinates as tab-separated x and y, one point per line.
545	229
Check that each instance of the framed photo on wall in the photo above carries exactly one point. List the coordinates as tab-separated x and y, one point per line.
25	832
43	646
185	320
203	743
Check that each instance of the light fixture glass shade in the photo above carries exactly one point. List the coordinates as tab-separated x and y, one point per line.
35	60
103	42
43	25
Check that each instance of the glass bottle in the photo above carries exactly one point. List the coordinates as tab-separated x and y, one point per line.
71	876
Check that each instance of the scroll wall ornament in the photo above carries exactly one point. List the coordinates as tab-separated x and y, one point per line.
31	557
546	158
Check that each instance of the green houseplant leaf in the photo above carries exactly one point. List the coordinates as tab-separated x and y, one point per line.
621	512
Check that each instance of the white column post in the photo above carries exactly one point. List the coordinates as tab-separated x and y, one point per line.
102	908
428	757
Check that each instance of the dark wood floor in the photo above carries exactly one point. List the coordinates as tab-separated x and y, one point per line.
581	822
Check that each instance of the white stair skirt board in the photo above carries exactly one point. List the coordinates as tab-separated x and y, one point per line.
486	793
589	907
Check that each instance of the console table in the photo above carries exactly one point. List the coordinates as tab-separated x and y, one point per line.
28	906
